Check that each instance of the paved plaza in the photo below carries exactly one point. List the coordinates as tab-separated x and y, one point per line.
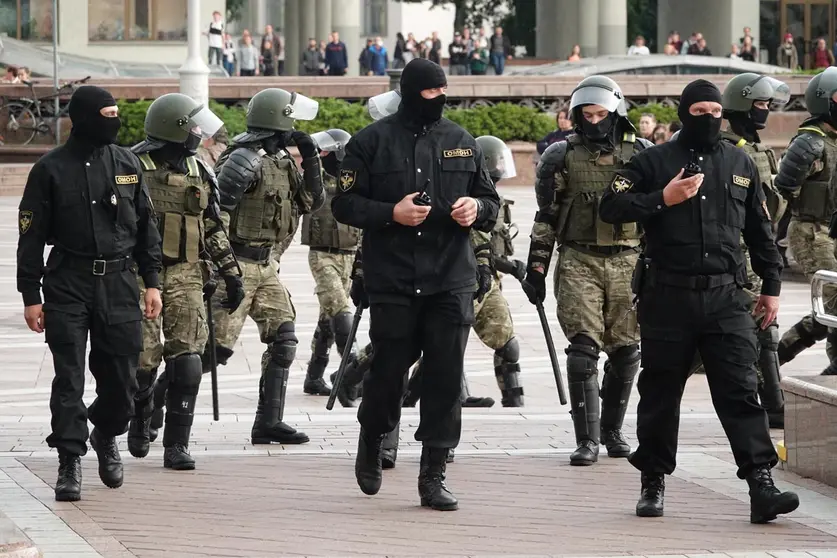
518	494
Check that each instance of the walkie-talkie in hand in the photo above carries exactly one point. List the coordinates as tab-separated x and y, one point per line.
423	198
692	169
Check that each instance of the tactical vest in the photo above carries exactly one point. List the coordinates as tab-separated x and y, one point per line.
589	174
321	230
267	213
179	201
504	231
765	161
816	201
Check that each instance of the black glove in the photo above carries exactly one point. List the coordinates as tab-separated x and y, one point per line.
534	285
307	147
235	293
483	282
358	293
209	289
519	270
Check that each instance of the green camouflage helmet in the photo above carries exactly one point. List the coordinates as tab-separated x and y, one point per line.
498	157
744	89
277	109
599	90
819	91
174	116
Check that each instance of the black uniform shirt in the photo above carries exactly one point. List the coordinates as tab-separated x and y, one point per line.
700	236
392	158
89	204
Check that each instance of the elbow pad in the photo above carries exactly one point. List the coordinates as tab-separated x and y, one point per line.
802	153
239	171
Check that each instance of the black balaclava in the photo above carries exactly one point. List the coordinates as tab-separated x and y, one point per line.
89	126
699	132
174	154
420	74
274	143
747	124
193	141
331	165
600	134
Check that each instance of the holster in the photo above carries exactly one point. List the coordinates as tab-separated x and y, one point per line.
640	275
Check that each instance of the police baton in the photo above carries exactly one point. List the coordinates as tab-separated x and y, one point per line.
344	360
550	347
208	291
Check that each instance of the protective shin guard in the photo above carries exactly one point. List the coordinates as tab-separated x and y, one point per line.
770	392
185	373
320	347
798	338
269	426
139	430
507	373
620	371
584	400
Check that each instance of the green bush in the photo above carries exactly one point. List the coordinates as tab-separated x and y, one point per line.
506	121
662	113
813	72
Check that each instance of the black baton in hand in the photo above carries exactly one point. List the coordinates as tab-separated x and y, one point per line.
344	360
550	347
208	291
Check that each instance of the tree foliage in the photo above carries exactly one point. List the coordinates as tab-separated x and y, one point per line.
234	9
642	20
469	13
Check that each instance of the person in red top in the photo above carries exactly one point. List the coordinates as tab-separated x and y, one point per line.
822	56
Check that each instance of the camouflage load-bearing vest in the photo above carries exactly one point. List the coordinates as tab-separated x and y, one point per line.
267	214
767	167
321	230
587	176
816	201
504	231
179	201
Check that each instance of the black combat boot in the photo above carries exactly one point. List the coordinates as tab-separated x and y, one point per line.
652	497
584	402
468	400
507	374
389	448
268	426
185	374
139	436
156	423
68	485
620	371
110	463
766	501
368	465
320	346
450	456
431	482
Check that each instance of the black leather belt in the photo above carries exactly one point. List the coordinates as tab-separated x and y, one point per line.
258	254
329	250
95	267
601	250
694	282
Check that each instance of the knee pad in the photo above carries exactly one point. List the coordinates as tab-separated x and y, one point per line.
285	334
342	326
581	362
769	338
282	353
185	373
510	352
624	356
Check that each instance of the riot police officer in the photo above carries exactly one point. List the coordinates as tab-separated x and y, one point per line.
593	278
416	183
806	178
88	200
332	251
184	192
262	194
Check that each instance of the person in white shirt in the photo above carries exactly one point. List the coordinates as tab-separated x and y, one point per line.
639	48
216	39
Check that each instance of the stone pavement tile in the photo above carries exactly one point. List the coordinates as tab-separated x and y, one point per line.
311	506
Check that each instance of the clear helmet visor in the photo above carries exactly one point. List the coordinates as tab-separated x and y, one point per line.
501	165
595	95
205	121
770	89
302	108
332	141
384	104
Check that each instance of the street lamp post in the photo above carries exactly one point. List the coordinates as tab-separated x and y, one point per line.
57	101
194	73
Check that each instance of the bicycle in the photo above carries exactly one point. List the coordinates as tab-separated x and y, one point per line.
23	118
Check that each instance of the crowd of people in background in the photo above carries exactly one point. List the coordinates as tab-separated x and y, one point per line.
16	74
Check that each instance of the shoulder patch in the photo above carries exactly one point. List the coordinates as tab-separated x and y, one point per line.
24	221
458	152
127	179
740	181
620	184
347	179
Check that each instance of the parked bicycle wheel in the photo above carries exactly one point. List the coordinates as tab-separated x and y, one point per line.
18	124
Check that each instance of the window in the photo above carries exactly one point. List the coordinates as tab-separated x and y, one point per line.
136	20
375	17
28	20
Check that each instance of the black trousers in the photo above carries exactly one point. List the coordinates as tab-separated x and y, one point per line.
435	327
674	323
107	308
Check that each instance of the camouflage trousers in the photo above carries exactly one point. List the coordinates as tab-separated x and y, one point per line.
183	319
266	301
493	322
595	299
333	277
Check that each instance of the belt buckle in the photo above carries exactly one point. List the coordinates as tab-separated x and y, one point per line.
702	282
99	267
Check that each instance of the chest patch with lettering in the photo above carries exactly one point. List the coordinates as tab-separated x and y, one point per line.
740	181
347	179
458	152
127	179
620	184
24	221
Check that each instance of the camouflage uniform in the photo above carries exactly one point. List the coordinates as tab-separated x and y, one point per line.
187	213
592	284
332	252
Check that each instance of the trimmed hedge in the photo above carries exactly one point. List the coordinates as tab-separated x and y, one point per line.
662	113
506	121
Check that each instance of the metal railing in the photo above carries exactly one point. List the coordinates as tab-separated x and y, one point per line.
822	278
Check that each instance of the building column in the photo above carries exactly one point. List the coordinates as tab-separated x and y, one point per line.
292	52
323	20
307	23
545	29
346	21
613	27
261	14
566	28
588	27
194	73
